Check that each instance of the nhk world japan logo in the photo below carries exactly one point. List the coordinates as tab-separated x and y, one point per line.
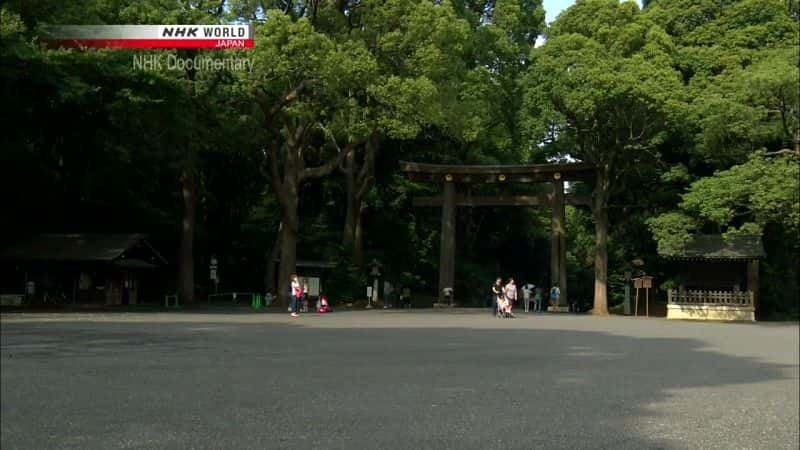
150	36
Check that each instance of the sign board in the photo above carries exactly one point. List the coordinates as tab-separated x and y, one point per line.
644	282
212	266
369	291
313	285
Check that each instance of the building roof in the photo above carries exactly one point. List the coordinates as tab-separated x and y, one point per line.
717	247
80	247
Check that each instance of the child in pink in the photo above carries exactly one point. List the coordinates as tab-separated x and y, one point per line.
323	304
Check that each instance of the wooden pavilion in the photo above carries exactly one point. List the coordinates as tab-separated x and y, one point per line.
718	278
111	269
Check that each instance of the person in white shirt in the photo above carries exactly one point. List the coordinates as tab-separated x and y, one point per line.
527	290
296	295
510	291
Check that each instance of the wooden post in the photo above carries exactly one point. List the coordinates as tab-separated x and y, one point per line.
75	289
636	307
562	247
447	250
558	247
647	302
554	241
752	280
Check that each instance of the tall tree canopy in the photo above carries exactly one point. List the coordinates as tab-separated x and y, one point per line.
602	88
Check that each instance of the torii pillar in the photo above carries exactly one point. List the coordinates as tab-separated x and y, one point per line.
447	252
558	240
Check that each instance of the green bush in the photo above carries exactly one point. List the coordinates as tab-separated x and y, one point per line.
346	283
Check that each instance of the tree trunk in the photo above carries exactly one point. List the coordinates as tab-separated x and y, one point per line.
272	256
447	246
600	211
558	267
288	264
287	190
358	179
358	235
350	214
186	255
189	194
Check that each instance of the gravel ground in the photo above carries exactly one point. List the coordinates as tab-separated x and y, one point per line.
378	379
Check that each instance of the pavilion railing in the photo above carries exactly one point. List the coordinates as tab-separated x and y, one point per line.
728	298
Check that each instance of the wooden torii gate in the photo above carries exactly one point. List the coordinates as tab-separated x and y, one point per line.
450	175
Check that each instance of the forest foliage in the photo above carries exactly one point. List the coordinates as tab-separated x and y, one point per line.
690	110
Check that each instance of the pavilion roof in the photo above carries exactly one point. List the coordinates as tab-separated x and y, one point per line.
718	247
83	248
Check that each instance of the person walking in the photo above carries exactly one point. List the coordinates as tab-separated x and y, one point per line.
537	299
405	301
555	293
510	291
296	295
497	296
388	293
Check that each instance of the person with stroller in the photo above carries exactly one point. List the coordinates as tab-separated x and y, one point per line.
497	296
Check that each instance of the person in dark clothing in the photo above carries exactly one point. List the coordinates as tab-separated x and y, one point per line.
497	295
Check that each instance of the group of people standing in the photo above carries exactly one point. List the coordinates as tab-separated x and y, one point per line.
505	297
298	298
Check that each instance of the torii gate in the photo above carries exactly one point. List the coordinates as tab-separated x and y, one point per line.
449	175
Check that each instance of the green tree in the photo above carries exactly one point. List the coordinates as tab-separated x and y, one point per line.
303	82
603	87
198	87
743	199
739	63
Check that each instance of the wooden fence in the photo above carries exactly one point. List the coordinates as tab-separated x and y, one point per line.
731	298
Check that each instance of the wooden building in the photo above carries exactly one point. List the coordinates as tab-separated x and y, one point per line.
110	269
719	278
